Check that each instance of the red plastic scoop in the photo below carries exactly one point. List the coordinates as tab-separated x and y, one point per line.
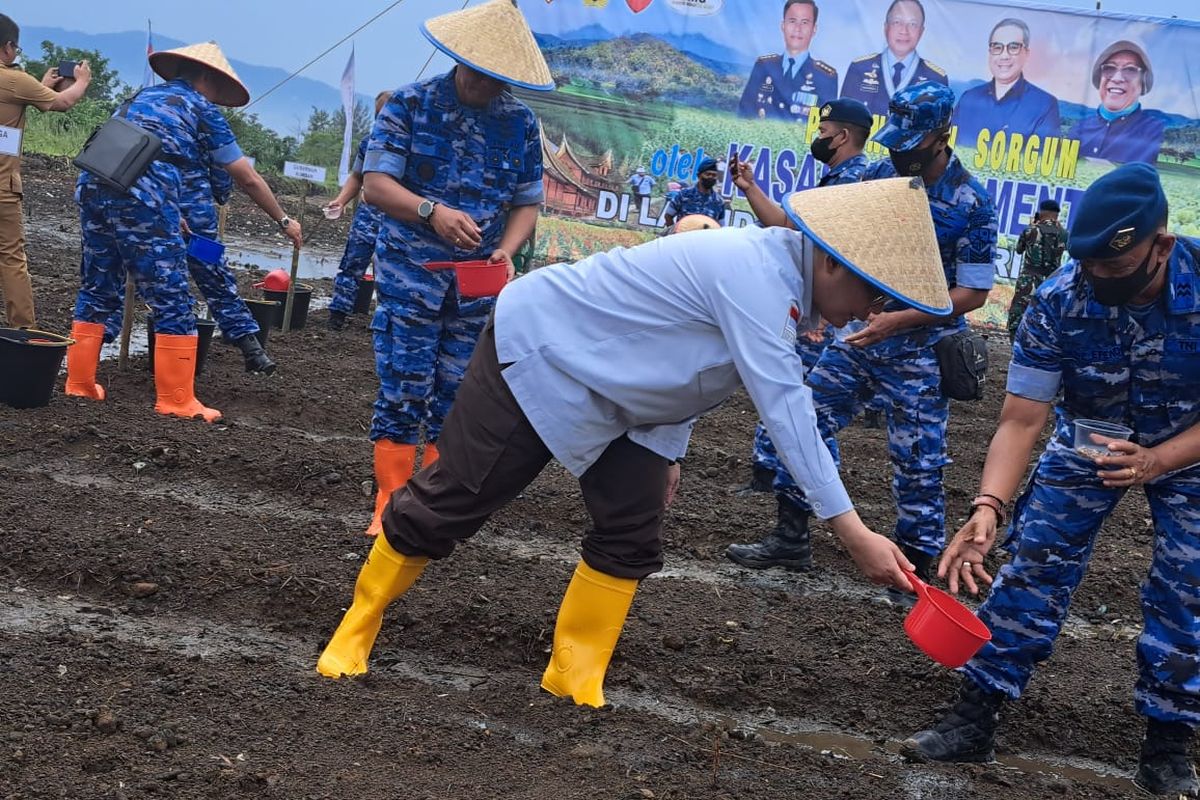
277	280
944	629
475	278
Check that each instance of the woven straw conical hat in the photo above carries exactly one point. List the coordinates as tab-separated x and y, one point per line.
492	38
695	222
231	90
883	231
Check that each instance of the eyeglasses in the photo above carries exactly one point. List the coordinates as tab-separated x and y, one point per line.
908	24
996	48
1127	72
16	48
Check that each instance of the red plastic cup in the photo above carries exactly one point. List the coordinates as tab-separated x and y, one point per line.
475	278
944	629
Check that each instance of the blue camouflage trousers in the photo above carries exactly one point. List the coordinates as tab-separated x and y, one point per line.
121	233
360	248
1055	523
904	372
423	341
215	281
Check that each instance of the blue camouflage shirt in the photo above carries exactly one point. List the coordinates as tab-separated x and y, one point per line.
195	135
481	161
1136	366
693	201
964	219
851	170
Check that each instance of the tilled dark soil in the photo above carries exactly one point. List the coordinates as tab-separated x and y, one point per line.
166	586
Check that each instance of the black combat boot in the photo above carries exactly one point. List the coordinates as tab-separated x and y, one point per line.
967	733
337	320
787	545
257	359
873	419
1165	766
924	569
761	480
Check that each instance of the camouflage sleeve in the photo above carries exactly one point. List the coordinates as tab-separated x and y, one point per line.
222	184
879	169
360	156
975	256
391	139
529	190
219	139
1035	372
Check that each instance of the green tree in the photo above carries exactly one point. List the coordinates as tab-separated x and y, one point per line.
321	142
268	149
106	84
64	133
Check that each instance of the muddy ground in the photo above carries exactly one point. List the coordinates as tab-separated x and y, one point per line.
166	586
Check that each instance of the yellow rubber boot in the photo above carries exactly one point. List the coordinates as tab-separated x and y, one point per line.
83	358
430	455
590	619
175	378
386	575
393	467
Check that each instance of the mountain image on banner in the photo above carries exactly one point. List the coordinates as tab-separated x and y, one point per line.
717	57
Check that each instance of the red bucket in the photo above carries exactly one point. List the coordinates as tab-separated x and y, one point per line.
475	278
944	629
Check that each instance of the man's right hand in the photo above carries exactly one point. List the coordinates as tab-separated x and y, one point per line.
962	562
294	232
876	556
455	228
83	73
742	173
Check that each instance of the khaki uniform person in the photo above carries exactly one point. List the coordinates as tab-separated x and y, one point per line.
18	90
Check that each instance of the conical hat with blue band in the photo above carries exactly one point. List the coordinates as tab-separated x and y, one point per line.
492	38
882	231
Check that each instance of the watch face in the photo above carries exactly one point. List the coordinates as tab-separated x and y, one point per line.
425	209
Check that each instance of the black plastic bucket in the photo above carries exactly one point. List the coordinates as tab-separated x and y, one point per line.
302	294
204	330
362	299
30	361
264	313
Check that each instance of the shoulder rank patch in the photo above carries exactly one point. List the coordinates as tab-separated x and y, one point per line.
865	58
826	68
770	57
934	67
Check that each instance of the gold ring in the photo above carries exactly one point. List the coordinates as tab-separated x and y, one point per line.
966	564
1132	472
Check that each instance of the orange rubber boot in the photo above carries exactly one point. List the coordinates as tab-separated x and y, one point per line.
175	376
393	467
83	358
431	455
385	576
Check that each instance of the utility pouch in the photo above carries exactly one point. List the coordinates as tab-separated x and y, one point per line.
962	360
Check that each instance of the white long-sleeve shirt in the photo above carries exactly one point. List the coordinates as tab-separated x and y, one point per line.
642	340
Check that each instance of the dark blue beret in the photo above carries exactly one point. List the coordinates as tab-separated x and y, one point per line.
845	110
1049	205
706	165
1116	212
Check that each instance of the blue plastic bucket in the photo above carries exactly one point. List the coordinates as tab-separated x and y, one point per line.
203	249
30	361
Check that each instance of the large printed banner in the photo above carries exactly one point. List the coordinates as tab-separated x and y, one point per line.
1048	100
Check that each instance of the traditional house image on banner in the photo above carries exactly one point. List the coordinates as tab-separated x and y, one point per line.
573	189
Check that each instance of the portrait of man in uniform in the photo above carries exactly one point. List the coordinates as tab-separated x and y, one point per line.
1121	129
785	86
1008	102
874	78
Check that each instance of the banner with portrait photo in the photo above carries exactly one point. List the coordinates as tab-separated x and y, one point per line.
1048	100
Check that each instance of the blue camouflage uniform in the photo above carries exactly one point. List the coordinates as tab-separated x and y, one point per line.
693	201
903	368
1134	136
360	246
482	162
1139	367
1024	109
140	230
849	171
774	92
870	81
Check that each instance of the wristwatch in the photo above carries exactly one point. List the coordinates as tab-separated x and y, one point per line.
284	223
425	210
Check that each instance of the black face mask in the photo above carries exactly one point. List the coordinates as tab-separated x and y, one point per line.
708	183
912	162
822	150
1119	291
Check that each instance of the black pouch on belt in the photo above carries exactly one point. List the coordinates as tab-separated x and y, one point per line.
963	360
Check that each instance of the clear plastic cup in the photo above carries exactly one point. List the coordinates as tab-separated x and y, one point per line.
332	213
1092	436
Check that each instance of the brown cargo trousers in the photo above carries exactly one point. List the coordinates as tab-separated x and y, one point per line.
14	270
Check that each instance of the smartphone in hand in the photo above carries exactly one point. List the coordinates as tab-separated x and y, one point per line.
66	69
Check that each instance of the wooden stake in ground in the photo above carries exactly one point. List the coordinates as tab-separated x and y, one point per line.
291	292
127	320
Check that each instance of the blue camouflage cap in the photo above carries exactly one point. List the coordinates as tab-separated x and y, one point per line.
1116	212
914	112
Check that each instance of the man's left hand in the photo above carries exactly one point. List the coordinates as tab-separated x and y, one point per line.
879	327
500	254
1129	465
672	483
